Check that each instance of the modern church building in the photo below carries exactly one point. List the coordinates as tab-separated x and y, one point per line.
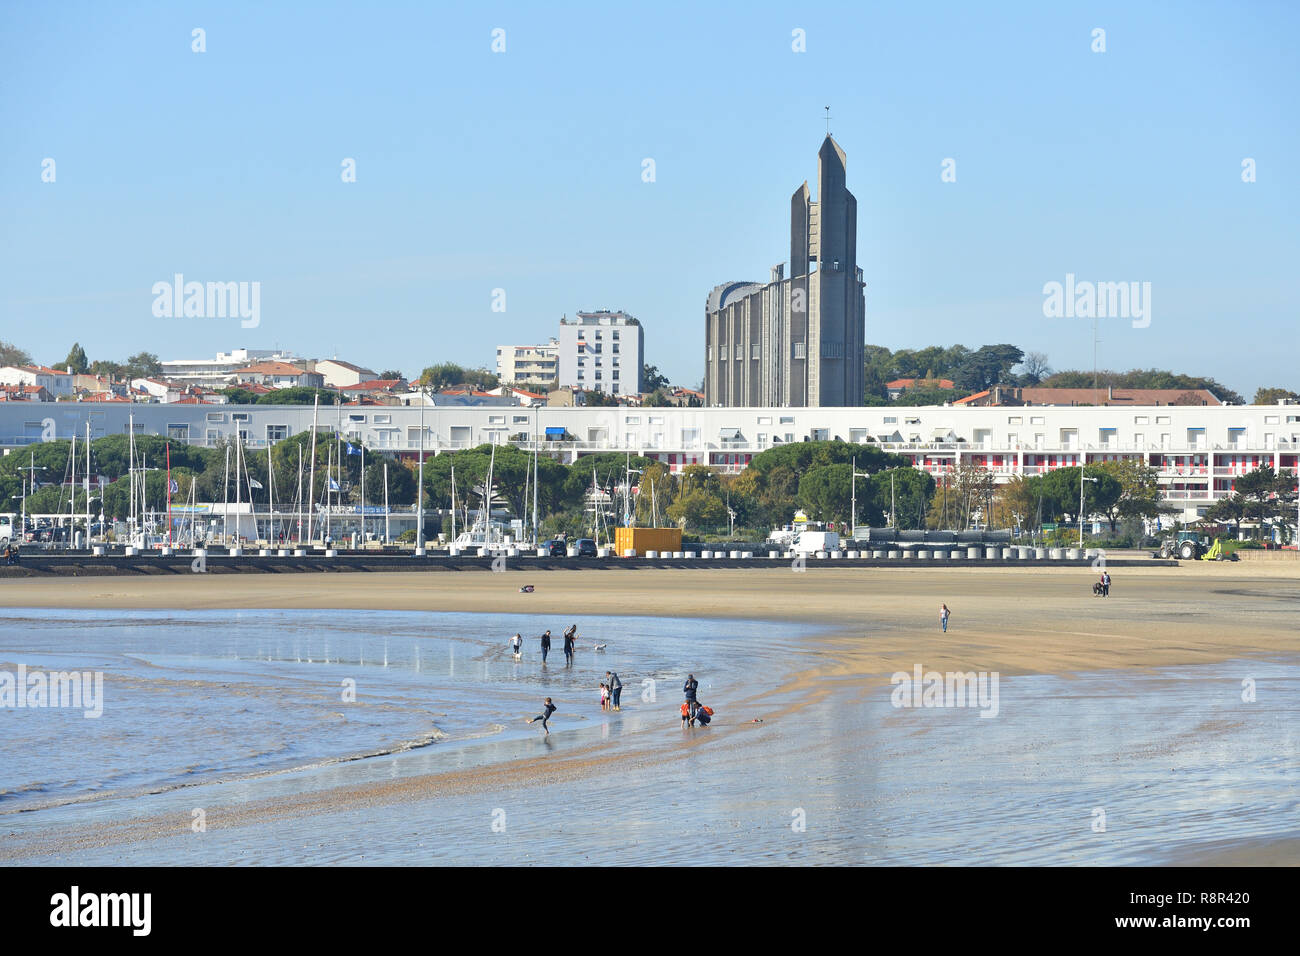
796	341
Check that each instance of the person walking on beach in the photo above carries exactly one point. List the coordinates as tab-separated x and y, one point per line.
943	617
546	644
516	644
615	689
545	715
1105	584
569	634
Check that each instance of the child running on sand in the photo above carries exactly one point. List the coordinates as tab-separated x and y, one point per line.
545	715
516	643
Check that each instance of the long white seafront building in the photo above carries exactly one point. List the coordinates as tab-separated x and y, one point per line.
1197	449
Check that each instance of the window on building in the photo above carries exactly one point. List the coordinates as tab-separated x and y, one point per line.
800	350
891	419
1162	419
1036	420
356	418
239	416
496	419
632	420
1013	420
1141	420
787	419
520	419
765	419
178	432
277	432
383	419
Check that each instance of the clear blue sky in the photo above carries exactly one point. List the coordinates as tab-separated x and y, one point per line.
522	170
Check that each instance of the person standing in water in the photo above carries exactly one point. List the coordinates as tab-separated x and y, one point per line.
943	617
516	644
545	715
569	634
688	690
546	644
615	689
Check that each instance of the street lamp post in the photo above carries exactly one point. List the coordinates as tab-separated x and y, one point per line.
1082	479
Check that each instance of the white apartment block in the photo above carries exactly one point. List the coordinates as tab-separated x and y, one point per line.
529	364
601	352
1197	451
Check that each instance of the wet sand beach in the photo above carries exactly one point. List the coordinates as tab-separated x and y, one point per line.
1131	705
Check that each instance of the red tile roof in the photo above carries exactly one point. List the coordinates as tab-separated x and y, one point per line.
374	385
925	382
272	368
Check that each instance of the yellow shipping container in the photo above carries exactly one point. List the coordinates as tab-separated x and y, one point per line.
642	540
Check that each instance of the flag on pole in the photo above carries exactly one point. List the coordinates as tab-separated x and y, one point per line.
173	487
353	450
254	483
334	485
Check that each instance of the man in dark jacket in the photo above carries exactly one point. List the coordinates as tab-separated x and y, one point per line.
569	633
546	645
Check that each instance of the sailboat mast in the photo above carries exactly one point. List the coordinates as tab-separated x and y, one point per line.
270	491
87	482
311	482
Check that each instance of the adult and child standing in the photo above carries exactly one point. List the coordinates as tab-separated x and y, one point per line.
615	689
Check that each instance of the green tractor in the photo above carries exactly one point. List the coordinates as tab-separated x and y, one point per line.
1185	545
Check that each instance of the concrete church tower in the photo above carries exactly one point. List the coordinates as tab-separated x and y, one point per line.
798	340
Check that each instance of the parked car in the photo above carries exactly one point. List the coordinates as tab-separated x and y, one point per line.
559	549
586	548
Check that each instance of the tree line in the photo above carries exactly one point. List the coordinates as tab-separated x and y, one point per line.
816	477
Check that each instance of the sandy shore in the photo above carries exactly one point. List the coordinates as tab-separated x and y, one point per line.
1012	620
1030	620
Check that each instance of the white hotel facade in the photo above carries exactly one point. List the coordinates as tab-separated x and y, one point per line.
1197	450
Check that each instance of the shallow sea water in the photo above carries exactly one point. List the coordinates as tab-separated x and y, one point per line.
214	709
